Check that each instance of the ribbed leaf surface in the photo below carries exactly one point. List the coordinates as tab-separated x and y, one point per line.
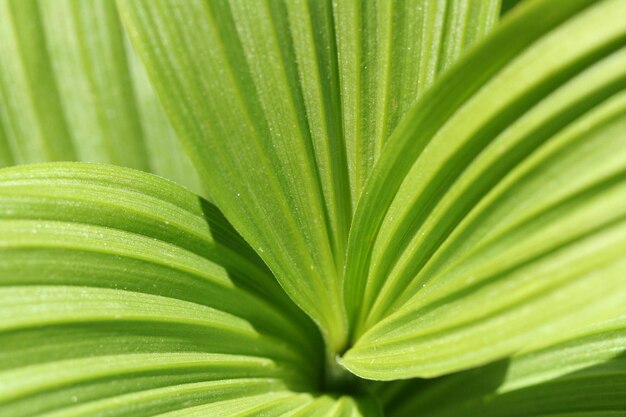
495	218
284	107
584	375
71	88
433	201
123	293
390	53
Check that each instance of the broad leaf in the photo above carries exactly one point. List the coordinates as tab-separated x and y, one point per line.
285	404
431	210
584	375
390	53
72	89
123	293
264	97
495	217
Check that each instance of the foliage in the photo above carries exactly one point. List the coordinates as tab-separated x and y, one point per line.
399	208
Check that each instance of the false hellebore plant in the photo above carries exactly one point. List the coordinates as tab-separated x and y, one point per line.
400	208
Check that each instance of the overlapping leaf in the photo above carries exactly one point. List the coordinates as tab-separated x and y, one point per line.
489	216
497	207
71	88
123	293
390	53
583	375
267	98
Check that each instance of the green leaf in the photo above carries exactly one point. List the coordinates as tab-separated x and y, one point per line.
264	175
263	96
494	218
430	210
285	404
122	291
390	53
583	375
72	89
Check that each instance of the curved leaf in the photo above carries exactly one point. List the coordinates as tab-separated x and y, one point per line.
123	293
263	96
72	89
390	53
284	404
247	131
495	210
583	375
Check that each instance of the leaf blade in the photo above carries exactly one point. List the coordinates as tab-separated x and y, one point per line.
390	53
73	90
134	288
580	375
266	76
401	282
265	181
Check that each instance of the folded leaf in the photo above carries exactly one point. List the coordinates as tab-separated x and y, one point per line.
72	89
264	97
285	404
233	96
496	209
583	375
390	53
123	293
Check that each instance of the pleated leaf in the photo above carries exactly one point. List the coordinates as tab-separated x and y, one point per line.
430	209
266	96
285	404
584	375
124	294
72	88
390	53
495	218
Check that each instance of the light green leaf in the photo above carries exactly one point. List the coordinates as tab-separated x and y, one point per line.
234	99
71	88
285	404
430	210
390	53
584	375
122	291
497	207
29	119
263	96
